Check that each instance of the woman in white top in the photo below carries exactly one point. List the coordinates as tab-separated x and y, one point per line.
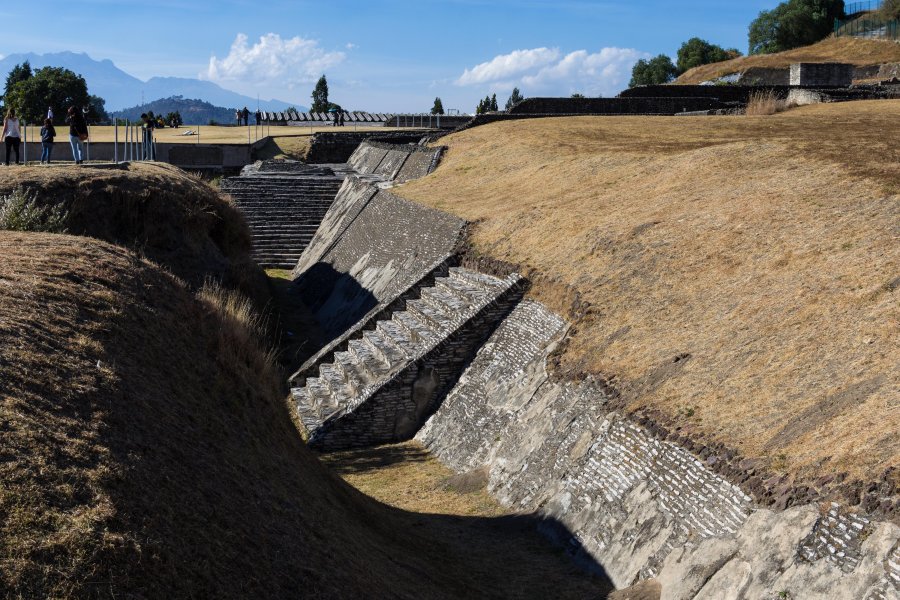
11	134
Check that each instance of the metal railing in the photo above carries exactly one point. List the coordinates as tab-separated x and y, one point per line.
855	8
868	27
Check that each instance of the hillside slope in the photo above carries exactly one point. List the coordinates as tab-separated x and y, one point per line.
764	250
856	51
173	218
147	453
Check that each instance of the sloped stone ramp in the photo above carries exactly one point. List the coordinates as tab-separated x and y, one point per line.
390	378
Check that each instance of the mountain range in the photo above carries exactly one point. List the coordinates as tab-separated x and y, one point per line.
121	90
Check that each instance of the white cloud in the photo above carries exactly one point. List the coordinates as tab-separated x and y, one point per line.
272	59
351	46
506	66
542	71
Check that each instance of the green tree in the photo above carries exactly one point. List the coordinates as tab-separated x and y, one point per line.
58	88
514	98
494	106
577	95
656	71
18	73
320	96
793	24
890	10
173	119
696	52
438	108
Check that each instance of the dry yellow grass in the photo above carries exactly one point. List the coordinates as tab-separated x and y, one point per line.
409	477
148	453
767	248
860	52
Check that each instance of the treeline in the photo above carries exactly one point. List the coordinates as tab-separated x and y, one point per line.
791	24
190	111
31	93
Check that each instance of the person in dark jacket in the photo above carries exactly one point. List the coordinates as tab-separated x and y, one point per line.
78	133
48	134
246	114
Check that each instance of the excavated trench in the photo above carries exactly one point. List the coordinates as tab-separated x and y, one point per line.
420	355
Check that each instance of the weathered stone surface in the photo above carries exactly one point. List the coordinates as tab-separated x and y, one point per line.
391	378
640	507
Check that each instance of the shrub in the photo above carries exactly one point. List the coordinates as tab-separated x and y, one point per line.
766	102
696	52
19	211
656	71
890	10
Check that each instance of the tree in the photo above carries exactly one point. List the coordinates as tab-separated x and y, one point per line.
696	52
494	107
577	95
656	71
320	96
438	108
18	73
890	10
793	24
514	98
174	119
58	88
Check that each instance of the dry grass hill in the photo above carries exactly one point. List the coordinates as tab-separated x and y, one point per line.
147	450
171	217
856	51
765	250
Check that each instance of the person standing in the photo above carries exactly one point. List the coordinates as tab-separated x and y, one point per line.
48	133
11	134
258	117
147	125
78	133
246	114
50	112
237	116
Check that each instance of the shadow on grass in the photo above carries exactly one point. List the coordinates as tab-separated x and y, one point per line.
370	459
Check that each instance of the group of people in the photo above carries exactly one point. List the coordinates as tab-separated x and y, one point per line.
78	134
243	116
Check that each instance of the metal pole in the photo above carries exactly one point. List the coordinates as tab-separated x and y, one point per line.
25	145
116	140
125	154
88	143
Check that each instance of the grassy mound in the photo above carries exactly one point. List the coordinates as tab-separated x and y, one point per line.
147	453
763	249
159	210
856	51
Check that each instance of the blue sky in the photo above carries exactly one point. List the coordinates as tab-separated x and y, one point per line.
381	55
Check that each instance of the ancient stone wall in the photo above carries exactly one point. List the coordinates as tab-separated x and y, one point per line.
638	506
338	146
398	408
395	162
822	74
723	93
626	105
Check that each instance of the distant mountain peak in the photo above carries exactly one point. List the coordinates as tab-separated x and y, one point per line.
121	90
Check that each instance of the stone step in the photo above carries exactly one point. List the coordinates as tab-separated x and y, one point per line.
381	355
434	319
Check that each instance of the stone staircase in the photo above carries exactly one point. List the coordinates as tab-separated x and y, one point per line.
283	212
383	383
